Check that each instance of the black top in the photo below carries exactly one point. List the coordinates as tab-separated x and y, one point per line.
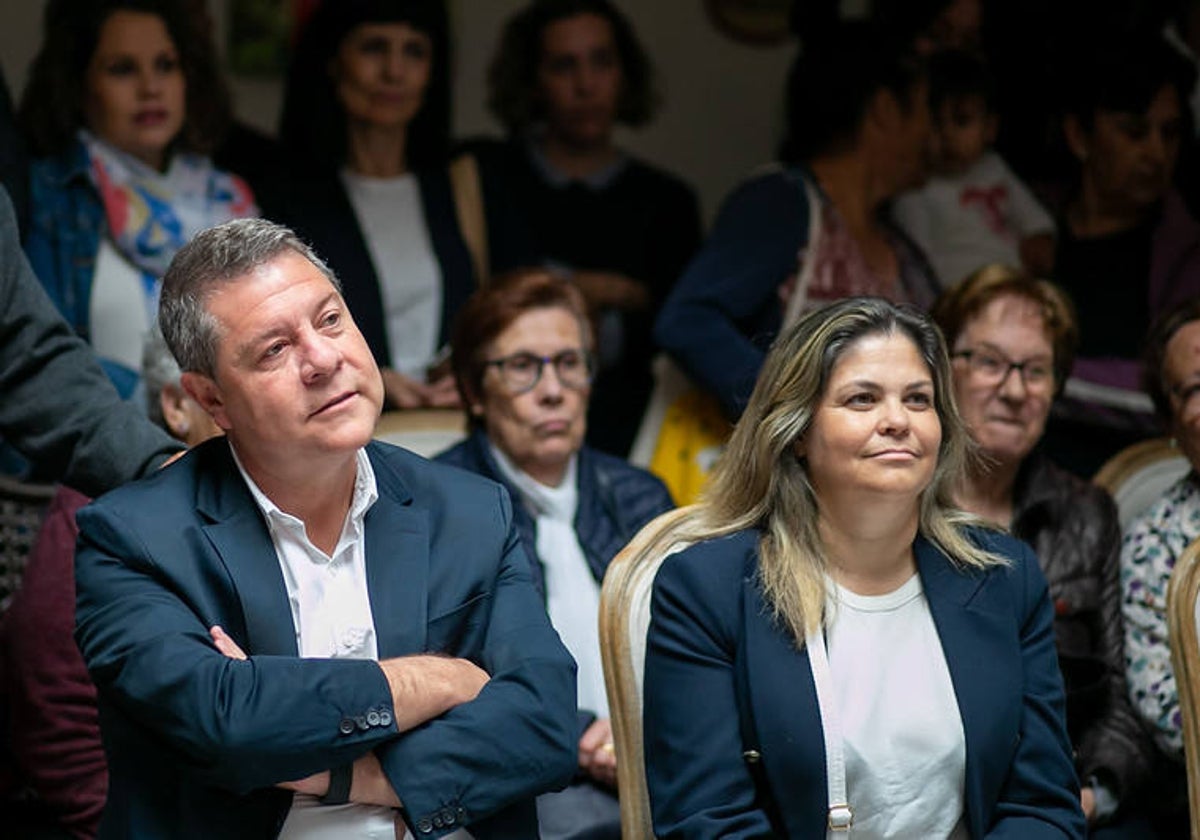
1107	278
633	219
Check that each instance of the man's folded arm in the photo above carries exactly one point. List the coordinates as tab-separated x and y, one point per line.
239	725
513	741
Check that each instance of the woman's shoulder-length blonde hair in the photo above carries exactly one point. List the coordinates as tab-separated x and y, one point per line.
760	482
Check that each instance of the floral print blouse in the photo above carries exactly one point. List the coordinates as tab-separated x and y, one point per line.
1152	543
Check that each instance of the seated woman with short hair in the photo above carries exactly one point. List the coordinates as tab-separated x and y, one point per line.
1012	340
523	361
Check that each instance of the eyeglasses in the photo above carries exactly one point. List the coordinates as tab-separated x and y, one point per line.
521	372
993	369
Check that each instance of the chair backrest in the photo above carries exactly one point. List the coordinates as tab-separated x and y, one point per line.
624	620
22	507
1136	476
425	431
1184	635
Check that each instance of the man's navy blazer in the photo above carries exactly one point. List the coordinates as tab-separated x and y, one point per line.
734	744
196	741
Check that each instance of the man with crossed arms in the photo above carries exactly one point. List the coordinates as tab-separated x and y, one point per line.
296	631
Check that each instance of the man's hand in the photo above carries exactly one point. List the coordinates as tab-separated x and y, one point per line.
423	687
224	643
597	755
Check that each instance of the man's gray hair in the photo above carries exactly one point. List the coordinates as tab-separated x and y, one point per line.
159	369
216	256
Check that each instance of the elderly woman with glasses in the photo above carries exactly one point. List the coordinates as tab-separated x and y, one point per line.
522	357
1012	340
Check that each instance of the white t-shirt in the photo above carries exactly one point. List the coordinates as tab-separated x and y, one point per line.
966	221
410	279
903	740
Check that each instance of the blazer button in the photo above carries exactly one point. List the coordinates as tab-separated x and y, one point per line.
385	717
752	756
424	825
437	821
373	718
346	726
362	723
450	818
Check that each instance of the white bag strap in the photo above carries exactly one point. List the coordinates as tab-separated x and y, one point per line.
808	267
841	817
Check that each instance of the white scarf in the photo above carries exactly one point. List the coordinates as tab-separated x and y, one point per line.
572	594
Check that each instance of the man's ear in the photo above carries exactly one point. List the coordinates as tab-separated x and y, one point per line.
207	394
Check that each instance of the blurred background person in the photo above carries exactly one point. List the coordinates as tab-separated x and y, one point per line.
523	358
839	642
52	724
566	74
1012	340
365	125
816	229
122	104
1153	542
1127	247
973	211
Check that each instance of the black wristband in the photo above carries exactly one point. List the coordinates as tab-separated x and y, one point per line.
340	779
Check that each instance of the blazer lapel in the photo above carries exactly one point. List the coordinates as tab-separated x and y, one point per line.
985	667
240	538
397	545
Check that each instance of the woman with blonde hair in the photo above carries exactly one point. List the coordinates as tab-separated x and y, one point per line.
841	645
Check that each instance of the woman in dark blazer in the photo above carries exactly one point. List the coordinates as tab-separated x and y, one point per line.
365	127
840	645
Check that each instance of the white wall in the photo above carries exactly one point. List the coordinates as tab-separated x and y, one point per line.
721	114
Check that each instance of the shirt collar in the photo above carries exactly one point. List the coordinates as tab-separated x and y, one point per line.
366	492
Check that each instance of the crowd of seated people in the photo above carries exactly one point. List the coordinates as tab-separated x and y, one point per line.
980	309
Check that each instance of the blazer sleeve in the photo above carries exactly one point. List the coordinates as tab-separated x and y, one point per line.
729	291
518	737
1040	794
699	784
56	405
237	725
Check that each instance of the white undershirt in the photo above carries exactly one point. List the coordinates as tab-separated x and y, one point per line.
904	745
572	593
393	224
118	310
331	612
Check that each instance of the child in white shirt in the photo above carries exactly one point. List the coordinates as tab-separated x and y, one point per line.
974	211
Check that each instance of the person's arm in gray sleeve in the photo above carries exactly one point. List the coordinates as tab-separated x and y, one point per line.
56	405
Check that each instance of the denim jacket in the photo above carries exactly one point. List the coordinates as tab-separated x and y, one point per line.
64	234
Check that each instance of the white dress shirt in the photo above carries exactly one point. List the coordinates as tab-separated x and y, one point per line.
331	613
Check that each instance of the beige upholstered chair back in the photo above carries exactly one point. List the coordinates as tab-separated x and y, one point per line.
1182	620
624	621
1136	476
425	431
